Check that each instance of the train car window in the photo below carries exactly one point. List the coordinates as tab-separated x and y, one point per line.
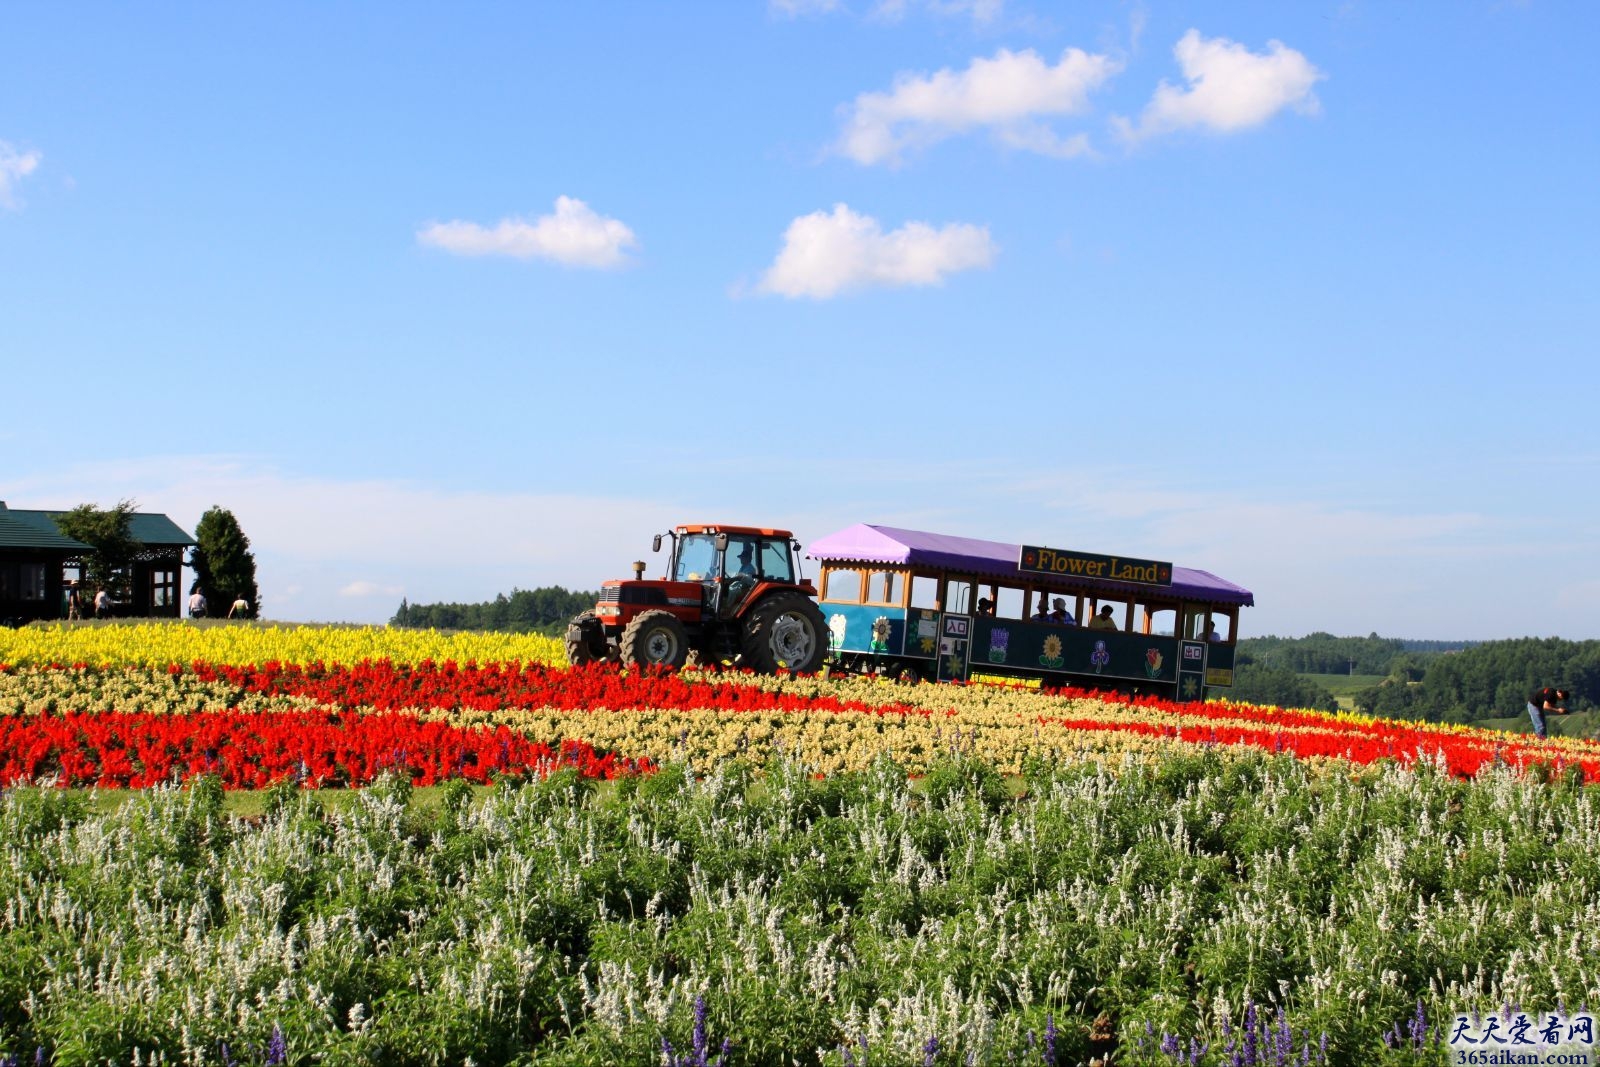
924	592
841	586
1008	603
1159	619
884	587
958	599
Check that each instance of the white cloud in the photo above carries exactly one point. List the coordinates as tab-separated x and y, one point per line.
982	12
1230	88
363	590
797	8
574	235
1328	564
825	254
14	166
1011	94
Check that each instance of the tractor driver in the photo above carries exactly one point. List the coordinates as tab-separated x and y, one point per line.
747	562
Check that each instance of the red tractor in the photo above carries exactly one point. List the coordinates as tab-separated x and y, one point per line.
732	594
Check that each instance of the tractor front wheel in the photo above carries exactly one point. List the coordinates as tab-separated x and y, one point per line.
655	639
586	640
785	632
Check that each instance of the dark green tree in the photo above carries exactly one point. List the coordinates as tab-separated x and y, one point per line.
544	610
1255	683
224	566
113	548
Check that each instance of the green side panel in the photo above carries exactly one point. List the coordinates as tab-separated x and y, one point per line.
1191	670
955	647
1220	660
1009	645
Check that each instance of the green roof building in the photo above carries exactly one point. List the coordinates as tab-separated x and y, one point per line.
40	567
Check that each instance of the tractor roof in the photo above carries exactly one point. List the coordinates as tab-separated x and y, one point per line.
722	527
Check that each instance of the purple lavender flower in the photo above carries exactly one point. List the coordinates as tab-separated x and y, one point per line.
700	1030
930	1052
1419	1026
700	1048
277	1048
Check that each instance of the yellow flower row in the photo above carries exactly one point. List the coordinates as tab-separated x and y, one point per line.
830	742
940	698
156	644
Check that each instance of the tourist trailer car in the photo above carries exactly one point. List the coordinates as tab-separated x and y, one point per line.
951	608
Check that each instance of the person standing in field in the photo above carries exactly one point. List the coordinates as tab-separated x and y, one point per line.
1544	702
197	603
74	604
240	608
102	604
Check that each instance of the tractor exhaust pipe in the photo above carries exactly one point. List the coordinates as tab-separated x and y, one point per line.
638	570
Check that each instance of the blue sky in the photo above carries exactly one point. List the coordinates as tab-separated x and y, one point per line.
446	301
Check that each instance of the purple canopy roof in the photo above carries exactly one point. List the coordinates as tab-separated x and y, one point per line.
865	543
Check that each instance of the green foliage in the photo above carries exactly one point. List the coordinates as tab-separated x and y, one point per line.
1255	683
861	915
1323	653
544	610
114	548
224	566
1491	680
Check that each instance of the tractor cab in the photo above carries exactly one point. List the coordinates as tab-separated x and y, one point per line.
730	565
730	594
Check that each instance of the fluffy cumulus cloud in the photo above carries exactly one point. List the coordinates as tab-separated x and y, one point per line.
827	253
14	166
1229	88
1014	95
574	235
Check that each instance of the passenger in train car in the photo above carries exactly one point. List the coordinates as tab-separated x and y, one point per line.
1043	614
1103	621
985	606
1060	615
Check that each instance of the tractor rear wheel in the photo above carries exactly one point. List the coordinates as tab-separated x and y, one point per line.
785	632
586	640
655	639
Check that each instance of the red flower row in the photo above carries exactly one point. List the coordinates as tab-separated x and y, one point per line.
250	751
388	687
1462	756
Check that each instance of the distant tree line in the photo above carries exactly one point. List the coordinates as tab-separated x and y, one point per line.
1491	680
544	610
1433	681
1257	683
1323	653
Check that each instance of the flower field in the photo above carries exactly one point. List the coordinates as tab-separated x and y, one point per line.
140	705
674	868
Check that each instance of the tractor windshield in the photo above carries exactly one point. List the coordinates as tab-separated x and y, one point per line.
697	558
